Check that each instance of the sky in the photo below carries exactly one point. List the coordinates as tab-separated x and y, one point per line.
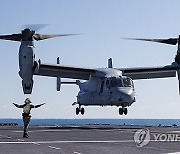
102	25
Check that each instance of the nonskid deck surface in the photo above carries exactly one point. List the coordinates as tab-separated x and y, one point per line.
88	139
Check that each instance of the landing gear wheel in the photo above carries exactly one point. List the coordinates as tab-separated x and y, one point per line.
77	111
82	111
125	111
120	111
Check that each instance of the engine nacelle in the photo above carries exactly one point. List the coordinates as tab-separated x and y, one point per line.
26	65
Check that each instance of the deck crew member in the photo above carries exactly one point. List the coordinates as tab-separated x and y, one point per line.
27	106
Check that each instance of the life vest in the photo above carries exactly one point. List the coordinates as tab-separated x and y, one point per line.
27	108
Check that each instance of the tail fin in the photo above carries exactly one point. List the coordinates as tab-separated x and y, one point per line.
110	65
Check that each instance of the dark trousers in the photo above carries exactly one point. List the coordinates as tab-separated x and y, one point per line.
26	120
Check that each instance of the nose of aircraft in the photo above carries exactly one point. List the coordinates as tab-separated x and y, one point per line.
126	95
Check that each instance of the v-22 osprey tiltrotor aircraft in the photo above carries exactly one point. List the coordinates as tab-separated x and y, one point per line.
103	86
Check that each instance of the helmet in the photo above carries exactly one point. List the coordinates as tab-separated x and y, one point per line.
27	101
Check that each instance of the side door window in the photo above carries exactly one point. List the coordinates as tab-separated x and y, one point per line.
102	87
107	87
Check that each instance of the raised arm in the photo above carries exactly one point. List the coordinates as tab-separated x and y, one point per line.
18	106
36	106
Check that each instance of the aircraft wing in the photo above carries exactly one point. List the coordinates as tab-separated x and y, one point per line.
150	72
64	71
84	73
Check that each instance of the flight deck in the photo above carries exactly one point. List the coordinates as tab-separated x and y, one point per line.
88	139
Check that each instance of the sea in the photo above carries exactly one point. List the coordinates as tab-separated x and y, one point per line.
135	122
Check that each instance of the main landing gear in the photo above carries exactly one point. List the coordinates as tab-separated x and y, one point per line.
123	110
80	109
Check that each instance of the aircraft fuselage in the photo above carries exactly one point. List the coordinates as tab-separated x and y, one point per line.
113	97
111	90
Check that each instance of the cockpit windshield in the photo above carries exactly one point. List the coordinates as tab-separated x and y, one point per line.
116	82
121	82
127	82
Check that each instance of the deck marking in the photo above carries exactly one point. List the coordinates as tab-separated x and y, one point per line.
36	143
20	140
173	153
34	131
54	147
49	142
83	141
77	152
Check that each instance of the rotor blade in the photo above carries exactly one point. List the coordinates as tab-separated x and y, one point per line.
34	27
13	37
179	87
171	41
39	37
